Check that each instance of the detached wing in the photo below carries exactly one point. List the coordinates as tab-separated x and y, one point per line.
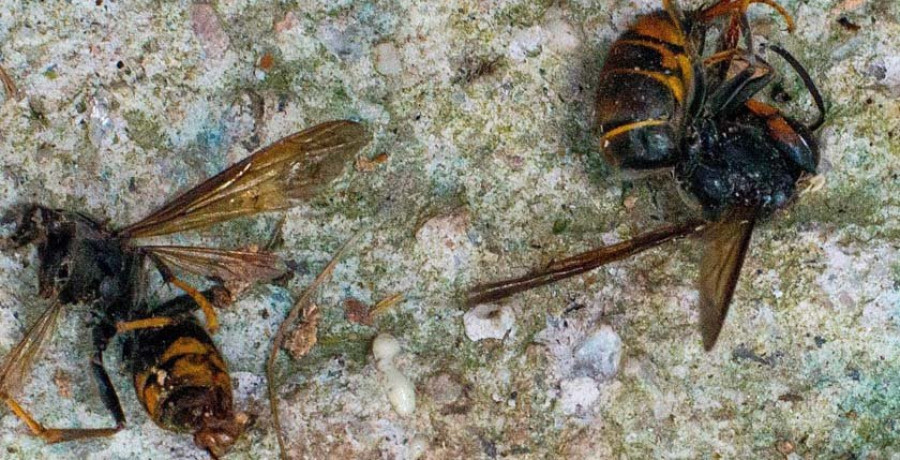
18	362
726	247
222	265
580	263
276	177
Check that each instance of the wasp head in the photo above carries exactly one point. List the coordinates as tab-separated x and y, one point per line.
218	434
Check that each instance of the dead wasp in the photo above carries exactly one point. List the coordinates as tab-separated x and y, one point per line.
660	108
178	373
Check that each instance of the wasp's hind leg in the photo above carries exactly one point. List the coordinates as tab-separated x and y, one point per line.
55	435
212	320
734	92
102	336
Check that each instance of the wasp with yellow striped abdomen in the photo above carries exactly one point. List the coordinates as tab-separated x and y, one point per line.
178	373
653	83
663	106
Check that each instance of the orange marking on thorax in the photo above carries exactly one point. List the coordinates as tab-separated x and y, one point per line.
778	126
781	130
762	109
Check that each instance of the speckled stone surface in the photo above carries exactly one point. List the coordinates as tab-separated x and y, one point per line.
484	111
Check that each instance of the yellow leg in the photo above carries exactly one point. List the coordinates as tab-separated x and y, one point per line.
212	321
739	6
721	56
54	435
148	323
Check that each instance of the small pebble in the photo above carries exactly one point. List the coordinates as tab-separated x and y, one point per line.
417	447
488	322
387	59
578	394
598	357
208	29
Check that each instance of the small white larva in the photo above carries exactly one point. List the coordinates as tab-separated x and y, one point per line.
401	392
385	348
400	389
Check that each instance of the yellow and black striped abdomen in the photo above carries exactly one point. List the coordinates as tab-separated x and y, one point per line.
180	377
646	86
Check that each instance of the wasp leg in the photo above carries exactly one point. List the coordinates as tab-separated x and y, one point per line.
738	26
721	56
9	85
102	336
724	7
734	92
146	323
675	14
55	435
212	321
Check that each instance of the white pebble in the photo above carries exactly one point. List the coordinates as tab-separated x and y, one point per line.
561	37
387	59
488	322
599	355
417	447
525	43
578	395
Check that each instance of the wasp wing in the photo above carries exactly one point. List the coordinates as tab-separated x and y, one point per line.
18	361
580	263
726	247
220	264
292	169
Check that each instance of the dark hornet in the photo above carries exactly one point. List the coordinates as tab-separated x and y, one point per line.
661	108
178	373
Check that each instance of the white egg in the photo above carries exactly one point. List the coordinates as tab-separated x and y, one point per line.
401	392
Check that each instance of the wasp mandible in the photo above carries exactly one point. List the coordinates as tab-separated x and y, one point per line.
660	107
178	373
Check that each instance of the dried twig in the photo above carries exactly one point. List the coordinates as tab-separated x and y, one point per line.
280	336
9	85
304	337
385	304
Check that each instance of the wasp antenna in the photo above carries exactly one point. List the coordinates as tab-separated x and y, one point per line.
807	80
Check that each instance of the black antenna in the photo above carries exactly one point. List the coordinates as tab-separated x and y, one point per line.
807	80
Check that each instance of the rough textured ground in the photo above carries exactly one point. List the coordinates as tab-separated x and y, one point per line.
484	111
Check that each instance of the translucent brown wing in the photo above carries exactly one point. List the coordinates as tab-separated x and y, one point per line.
219	264
18	362
580	263
726	247
295	168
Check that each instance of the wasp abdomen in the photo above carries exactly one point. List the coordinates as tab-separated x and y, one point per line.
645	88
183	383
